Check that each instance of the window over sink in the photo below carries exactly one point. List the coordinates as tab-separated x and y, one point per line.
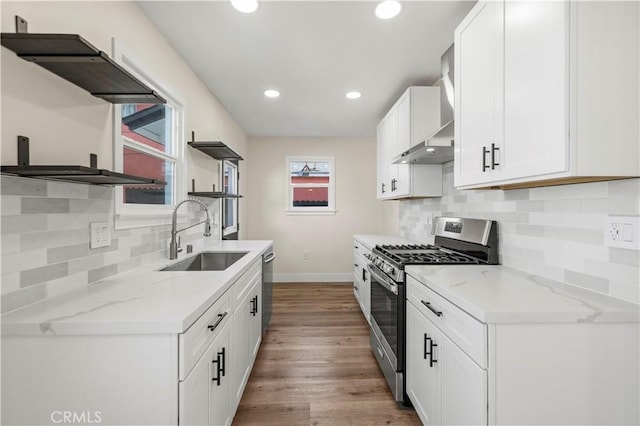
310	185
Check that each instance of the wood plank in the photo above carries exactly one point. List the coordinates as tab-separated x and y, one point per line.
315	366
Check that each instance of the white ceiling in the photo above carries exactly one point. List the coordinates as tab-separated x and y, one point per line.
313	52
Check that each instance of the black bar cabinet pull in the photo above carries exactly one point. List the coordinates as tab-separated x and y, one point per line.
432	360
222	365
364	274
382	187
428	305
216	363
494	148
256	304
213	326
485	151
426	338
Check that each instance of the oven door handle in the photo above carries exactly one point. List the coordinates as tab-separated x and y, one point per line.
384	282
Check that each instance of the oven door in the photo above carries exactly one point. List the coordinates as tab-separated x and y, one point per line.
386	313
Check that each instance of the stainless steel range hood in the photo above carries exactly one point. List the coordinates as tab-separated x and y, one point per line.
437	148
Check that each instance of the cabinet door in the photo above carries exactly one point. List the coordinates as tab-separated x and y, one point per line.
536	93
204	394
479	94
255	322
423	379
240	347
366	293
391	147
383	190
194	392
464	385
444	384
403	184
219	384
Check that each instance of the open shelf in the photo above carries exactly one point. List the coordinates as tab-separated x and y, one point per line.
214	195
217	150
77	61
80	174
214	149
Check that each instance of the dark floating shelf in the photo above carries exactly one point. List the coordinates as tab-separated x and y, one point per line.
210	194
214	195
77	61
215	149
78	174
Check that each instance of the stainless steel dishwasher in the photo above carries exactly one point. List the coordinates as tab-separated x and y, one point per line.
267	288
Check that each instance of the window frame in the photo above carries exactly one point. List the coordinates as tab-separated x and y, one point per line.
226	231
290	209
128	215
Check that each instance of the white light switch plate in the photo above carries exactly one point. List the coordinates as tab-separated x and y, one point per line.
100	235
622	232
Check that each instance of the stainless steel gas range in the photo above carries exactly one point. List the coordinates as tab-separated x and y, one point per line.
457	241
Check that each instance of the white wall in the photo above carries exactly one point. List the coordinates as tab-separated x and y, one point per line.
66	124
328	239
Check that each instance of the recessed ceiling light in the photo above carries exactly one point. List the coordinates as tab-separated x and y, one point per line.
245	6
353	95
270	93
431	150
388	9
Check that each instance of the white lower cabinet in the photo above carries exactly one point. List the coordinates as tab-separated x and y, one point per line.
361	279
192	378
444	384
246	336
460	371
204	395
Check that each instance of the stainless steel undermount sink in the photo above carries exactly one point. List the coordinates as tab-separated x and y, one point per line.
207	261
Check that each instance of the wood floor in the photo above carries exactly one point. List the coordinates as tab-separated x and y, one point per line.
315	366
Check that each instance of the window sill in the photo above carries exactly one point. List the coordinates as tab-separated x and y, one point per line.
310	212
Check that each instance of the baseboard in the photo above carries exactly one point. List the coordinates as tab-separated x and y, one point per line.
313	278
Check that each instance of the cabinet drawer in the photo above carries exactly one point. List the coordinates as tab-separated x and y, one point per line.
242	286
361	249
194	342
464	330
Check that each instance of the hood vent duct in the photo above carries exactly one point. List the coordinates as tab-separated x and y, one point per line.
437	148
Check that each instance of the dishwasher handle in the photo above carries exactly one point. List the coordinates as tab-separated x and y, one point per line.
270	258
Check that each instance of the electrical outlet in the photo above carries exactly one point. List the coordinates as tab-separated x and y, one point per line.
622	232
615	232
305	255
100	235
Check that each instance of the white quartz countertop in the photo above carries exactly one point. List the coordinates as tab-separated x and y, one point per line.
142	301
498	294
370	241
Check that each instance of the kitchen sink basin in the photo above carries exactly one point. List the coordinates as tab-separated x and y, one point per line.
207	261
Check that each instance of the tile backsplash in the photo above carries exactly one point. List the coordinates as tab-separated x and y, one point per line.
556	232
45	238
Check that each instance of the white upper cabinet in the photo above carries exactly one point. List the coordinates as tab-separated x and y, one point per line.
478	94
415	116
546	93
